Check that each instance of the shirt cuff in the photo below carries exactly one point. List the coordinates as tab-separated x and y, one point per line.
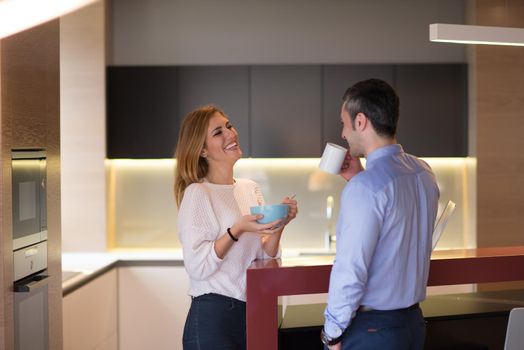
331	329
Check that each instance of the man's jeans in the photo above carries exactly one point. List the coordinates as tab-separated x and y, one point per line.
403	329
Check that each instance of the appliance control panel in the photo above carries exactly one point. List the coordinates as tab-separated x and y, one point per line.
29	260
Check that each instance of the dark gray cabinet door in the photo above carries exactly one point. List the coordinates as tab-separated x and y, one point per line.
336	79
285	111
281	111
224	86
141	112
433	109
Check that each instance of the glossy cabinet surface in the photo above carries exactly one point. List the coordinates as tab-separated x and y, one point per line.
281	111
141	112
153	305
285	111
433	109
90	315
224	86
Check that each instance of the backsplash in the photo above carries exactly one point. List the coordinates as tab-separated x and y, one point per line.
142	212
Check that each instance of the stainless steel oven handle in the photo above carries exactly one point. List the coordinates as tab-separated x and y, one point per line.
36	282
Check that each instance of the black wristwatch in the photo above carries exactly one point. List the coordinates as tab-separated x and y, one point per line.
326	340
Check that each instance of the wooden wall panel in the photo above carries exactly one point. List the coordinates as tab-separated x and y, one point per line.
500	130
83	129
6	245
30	117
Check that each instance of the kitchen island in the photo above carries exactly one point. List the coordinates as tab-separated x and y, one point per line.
268	279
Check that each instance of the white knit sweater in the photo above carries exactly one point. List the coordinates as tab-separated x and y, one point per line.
206	211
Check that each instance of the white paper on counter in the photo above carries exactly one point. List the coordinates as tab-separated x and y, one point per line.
442	221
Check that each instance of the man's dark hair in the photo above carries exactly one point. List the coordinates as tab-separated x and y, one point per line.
378	101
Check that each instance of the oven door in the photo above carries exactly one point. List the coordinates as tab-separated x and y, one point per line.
31	313
28	191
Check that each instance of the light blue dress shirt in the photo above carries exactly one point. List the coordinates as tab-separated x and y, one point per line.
384	229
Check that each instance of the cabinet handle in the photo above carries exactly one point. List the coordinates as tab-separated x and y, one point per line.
34	283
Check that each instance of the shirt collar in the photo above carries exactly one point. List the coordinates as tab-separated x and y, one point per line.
384	151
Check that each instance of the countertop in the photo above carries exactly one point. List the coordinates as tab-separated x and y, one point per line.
435	307
266	280
81	268
299	273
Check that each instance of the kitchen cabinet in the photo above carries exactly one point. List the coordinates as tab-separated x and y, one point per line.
142	112
153	305
285	111
282	110
433	109
433	104
224	86
263	102
90	315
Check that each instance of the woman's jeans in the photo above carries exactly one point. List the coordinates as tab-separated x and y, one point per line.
215	322
403	329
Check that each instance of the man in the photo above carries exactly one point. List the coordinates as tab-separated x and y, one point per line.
384	230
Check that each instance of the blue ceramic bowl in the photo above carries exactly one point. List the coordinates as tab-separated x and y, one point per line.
270	212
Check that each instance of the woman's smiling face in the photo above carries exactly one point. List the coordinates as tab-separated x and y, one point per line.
221	141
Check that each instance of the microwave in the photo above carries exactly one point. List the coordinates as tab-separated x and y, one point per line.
29	197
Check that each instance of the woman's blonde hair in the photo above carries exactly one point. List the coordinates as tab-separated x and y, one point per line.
191	166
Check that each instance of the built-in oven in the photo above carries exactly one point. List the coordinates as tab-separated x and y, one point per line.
30	249
29	197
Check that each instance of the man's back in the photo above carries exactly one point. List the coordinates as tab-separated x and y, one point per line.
407	201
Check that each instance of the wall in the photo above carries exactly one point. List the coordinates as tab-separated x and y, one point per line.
30	118
142	210
500	124
82	90
181	32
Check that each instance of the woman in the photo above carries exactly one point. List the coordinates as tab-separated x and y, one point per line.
220	239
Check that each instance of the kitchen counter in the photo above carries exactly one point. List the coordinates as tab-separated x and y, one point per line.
81	268
435	307
475	320
266	280
295	274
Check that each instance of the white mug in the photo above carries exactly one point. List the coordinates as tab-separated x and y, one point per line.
332	158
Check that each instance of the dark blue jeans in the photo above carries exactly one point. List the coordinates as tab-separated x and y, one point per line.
388	330
215	322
